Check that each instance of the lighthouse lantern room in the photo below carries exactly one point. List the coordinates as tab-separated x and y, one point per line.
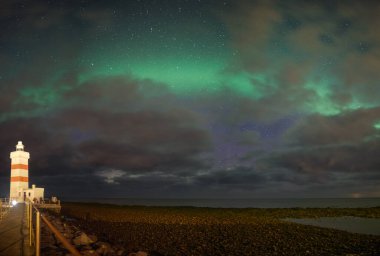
19	188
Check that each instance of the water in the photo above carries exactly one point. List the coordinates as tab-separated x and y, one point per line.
347	223
242	203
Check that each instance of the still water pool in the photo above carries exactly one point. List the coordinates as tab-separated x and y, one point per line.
348	223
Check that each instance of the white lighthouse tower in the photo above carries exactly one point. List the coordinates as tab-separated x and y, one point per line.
19	171
19	189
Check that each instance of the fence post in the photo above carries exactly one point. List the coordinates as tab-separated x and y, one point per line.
28	213
30	223
38	233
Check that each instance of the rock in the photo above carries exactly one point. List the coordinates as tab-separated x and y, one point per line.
77	233
103	248
120	252
48	246
53	252
86	247
93	238
47	239
68	235
154	253
83	239
103	245
89	253
139	253
69	230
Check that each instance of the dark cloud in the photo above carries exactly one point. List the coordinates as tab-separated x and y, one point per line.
328	150
357	158
241	178
347	128
114	125
302	45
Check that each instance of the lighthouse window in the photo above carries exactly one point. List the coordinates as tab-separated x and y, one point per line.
29	194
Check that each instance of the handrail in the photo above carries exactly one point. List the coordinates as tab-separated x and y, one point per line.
52	228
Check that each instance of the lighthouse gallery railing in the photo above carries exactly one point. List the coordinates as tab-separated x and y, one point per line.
36	236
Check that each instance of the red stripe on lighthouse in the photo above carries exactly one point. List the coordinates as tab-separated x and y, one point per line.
19	166
19	178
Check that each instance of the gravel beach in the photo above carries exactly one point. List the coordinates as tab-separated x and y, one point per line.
209	231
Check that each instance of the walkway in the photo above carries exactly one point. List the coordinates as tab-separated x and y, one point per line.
14	233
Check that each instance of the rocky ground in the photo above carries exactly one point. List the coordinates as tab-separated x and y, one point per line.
86	244
114	230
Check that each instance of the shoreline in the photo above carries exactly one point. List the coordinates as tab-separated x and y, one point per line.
239	202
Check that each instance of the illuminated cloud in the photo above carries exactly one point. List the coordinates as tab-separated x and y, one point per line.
111	176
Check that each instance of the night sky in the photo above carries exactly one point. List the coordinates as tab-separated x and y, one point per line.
192	98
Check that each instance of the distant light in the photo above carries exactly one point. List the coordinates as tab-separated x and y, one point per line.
14	202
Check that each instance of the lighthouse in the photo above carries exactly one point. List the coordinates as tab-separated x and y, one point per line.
19	171
19	189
